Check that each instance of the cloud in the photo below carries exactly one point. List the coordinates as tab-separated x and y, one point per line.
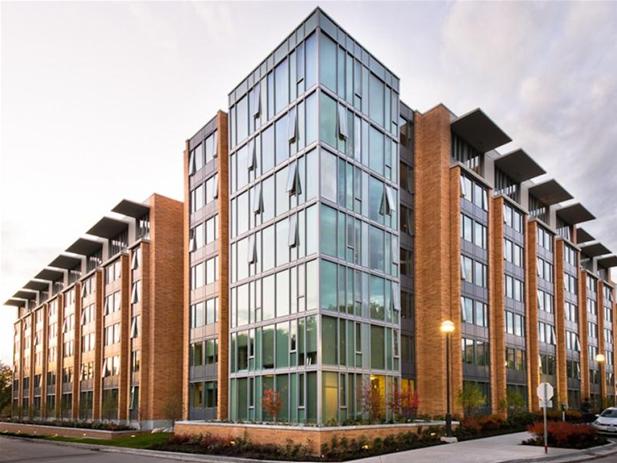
546	73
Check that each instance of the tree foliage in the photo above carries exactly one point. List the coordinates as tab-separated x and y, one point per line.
6	379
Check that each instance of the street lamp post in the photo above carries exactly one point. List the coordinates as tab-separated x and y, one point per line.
447	327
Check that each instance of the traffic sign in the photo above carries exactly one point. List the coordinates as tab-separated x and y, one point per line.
545	391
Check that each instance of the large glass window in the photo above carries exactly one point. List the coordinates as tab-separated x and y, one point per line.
310	52
328	341
376	248
327	230
377	347
242	118
327	62
327	120
328	175
282	293
376	100
311	118
375	197
377	297
282	345
281	140
267	337
267	149
376	147
281	85
327	285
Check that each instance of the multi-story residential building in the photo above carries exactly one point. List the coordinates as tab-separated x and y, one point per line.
95	332
383	222
329	230
206	277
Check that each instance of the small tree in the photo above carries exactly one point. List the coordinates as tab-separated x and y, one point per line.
6	379
404	404
516	402
372	402
271	403
471	398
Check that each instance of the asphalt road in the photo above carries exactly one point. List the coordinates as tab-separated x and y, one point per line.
18	450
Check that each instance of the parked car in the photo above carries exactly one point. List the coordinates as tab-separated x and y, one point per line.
606	422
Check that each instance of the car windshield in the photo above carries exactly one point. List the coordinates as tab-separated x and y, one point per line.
609	413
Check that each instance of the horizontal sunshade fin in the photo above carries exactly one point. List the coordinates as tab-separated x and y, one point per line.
108	228
576	213
477	129
519	166
15	302
65	262
608	261
25	294
50	275
85	247
583	236
595	250
550	193
131	209
37	285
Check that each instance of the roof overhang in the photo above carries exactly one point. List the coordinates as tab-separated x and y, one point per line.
108	228
595	250
519	166
575	213
37	285
608	261
477	129
25	294
131	209
50	275
15	302
549	193
65	262
85	247
583	236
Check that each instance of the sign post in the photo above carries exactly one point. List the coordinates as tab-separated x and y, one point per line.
545	394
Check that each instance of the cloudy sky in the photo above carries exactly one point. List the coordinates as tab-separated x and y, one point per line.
98	98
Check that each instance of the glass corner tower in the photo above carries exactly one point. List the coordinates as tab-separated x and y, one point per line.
314	241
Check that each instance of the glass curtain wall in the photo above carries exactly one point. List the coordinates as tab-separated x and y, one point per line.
315	298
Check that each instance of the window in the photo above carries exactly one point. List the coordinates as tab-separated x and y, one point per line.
376	150
376	99
377	347
515	324
377	298
376	248
327	230
327	62
328	279
327	120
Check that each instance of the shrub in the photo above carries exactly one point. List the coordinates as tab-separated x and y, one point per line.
471	398
565	435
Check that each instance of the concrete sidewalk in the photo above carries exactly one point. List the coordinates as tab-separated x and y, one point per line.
505	448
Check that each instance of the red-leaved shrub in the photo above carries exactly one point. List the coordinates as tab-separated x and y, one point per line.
566	435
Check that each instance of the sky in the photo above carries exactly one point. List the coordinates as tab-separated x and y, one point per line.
97	98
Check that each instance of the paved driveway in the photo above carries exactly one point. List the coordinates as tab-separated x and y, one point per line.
18	450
